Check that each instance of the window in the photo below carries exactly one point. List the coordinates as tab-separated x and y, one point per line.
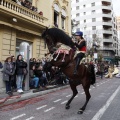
84	13
77	1
84	21
55	19
77	22
93	19
85	28
93	27
77	15
78	29
93	11
83	5
63	22
93	4
94	35
77	7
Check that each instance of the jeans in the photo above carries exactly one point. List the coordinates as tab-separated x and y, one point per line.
19	81
8	86
36	80
43	81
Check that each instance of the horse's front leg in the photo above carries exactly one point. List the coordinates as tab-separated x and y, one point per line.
75	92
88	96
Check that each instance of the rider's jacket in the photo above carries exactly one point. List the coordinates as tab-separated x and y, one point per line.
81	46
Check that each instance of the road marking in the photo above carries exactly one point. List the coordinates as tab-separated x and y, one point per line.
76	96
83	93
56	100
17	116
41	107
100	113
68	95
49	109
64	102
30	118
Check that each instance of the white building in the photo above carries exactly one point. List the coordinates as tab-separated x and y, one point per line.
118	30
96	18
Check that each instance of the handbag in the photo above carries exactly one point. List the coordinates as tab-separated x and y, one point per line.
25	71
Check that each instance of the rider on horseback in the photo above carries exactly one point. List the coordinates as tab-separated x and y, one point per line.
81	45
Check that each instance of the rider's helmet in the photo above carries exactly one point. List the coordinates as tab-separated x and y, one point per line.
78	33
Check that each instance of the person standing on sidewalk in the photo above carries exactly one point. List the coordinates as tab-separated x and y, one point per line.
102	68
1	66
8	72
20	66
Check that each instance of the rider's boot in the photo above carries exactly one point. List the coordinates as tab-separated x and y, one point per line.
76	65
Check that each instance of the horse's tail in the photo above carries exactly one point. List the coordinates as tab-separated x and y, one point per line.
92	74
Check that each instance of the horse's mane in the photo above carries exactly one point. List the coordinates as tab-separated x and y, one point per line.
58	35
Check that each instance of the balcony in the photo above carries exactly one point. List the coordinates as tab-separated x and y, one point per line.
107	23
106	11
105	3
10	9
107	40
109	48
107	31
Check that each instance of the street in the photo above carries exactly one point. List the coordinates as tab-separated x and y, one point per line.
103	105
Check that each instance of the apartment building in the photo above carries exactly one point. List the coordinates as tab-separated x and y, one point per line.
118	31
96	19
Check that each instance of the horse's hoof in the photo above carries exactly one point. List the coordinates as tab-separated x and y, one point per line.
67	107
80	112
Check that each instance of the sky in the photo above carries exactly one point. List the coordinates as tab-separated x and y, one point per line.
116	7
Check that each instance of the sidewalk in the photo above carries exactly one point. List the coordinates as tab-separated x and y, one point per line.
6	100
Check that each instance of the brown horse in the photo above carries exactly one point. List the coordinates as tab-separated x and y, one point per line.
66	62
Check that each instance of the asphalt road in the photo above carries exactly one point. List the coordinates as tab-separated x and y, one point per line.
103	105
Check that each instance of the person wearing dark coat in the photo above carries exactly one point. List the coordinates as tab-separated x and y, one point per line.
34	80
20	67
8	72
14	86
1	66
42	76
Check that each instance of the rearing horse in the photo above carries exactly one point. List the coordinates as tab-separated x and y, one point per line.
66	62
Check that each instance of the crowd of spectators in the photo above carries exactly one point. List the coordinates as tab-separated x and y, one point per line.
41	74
26	4
105	69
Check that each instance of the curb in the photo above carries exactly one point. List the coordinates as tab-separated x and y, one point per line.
29	95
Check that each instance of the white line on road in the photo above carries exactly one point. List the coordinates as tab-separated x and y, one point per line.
17	116
76	96
41	107
83	93
99	114
64	102
56	100
49	109
68	95
30	118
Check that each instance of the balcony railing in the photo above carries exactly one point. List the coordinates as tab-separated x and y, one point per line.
10	6
108	40
108	48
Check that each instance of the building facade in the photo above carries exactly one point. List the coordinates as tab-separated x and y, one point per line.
96	19
118	31
21	24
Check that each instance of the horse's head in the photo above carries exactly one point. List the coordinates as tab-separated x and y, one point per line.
51	44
